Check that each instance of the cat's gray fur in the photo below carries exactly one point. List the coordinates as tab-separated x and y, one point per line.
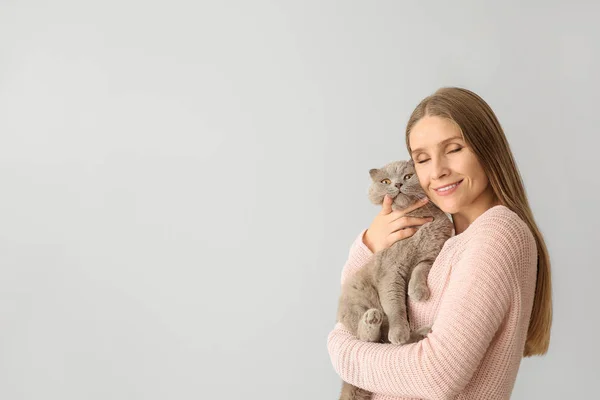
372	303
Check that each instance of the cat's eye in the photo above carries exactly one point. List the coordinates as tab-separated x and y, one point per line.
386	181
407	176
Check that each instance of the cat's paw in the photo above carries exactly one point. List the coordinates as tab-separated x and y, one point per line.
419	334
373	317
424	331
418	291
369	327
399	334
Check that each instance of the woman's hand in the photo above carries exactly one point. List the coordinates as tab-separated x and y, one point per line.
390	226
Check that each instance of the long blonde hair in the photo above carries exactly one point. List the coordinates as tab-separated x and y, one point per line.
483	133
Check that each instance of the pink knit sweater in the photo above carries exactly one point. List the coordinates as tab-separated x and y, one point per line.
482	286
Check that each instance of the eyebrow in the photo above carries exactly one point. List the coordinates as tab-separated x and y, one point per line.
439	144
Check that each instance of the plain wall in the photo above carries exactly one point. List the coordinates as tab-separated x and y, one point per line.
181	181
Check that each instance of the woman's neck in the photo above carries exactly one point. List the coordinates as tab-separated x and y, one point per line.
465	217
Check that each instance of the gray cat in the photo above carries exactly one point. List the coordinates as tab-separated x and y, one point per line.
372	303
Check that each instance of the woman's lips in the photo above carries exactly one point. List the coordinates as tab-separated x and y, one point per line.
449	191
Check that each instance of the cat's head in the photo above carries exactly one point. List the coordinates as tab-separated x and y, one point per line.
398	180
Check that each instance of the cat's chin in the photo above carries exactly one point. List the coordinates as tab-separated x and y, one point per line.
404	200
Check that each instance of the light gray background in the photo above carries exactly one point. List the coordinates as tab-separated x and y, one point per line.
181	181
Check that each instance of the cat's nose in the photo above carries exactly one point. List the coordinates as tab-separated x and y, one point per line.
398	185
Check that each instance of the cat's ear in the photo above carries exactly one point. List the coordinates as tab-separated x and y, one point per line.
373	172
411	163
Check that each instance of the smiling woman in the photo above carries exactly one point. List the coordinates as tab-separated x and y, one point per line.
490	298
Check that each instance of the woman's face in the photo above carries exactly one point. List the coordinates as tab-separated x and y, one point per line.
443	161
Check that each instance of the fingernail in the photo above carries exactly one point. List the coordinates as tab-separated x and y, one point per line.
425	199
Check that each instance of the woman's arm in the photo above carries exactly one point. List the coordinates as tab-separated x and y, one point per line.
358	256
475	303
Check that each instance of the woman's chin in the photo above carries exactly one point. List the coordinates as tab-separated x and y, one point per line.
446	205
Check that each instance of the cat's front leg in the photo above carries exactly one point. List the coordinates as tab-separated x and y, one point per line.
392	294
417	286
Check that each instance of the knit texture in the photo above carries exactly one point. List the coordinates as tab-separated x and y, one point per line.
482	287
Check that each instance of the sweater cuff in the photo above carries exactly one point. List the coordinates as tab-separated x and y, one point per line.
361	251
358	256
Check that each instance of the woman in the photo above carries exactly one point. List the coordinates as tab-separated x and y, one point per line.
490	289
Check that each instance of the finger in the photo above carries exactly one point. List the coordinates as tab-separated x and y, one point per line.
386	207
405	222
401	234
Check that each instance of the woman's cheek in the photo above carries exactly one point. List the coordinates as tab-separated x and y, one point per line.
424	184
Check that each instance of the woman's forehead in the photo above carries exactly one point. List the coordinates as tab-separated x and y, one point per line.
431	132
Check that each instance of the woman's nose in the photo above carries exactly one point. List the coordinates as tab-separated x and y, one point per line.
438	169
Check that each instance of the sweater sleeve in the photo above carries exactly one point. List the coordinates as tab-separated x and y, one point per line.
476	301
358	256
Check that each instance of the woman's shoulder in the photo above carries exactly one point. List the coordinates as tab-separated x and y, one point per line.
498	243
500	221
501	230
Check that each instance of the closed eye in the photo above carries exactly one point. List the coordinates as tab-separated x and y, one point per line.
451	151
